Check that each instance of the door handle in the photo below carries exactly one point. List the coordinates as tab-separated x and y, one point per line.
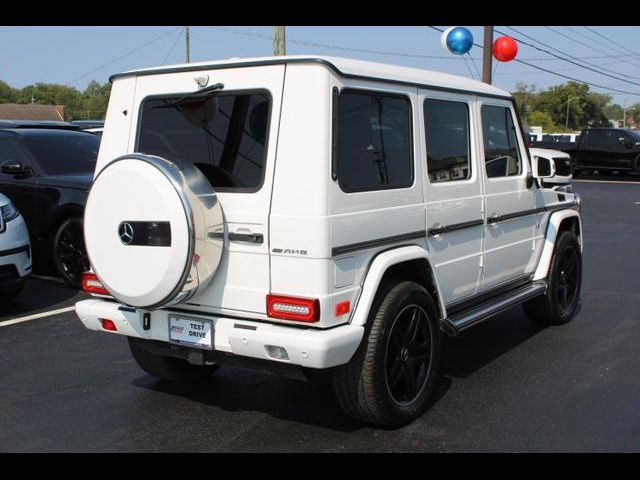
246	237
493	218
240	237
436	230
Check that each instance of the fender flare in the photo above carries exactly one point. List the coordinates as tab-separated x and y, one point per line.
553	227
379	266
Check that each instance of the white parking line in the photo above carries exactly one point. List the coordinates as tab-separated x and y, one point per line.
6	323
605	181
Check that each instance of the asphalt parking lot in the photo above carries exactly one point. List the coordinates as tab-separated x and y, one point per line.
507	385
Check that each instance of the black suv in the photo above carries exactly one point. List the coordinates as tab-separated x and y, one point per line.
46	169
602	149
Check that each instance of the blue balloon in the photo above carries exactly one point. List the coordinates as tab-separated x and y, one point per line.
459	40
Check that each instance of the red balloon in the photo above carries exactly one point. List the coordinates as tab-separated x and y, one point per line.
505	49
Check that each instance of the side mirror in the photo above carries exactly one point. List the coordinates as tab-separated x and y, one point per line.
543	167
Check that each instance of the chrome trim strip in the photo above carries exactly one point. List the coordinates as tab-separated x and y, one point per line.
433	231
378	242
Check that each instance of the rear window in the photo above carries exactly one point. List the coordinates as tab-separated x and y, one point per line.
63	152
224	135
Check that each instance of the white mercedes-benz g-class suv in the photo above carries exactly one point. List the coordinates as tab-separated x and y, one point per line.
310	213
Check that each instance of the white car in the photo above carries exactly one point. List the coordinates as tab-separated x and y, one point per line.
563	166
15	250
316	213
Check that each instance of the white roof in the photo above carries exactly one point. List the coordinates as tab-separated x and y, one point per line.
547	152
350	66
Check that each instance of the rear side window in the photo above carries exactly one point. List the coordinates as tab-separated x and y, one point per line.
60	152
501	153
223	134
374	144
9	150
447	132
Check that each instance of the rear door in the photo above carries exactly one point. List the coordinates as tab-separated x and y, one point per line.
453	192
232	138
510	203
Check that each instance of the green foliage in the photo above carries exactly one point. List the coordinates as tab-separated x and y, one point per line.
7	94
570	106
90	104
544	120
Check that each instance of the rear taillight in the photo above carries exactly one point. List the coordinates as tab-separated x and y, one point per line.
108	325
292	308
91	284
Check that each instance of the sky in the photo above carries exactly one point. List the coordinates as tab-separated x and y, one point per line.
76	55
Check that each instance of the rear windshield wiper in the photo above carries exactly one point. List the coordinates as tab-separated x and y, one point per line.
199	94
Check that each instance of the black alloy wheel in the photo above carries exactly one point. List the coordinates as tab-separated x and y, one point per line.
69	252
567	278
560	302
408	355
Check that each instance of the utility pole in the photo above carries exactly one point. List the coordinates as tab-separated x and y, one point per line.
186	37
487	54
279	41
624	114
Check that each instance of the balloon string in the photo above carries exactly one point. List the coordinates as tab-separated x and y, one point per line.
474	65
468	68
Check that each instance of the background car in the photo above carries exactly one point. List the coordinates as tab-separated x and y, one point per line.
15	250
563	163
46	168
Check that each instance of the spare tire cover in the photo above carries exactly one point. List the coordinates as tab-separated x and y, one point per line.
154	230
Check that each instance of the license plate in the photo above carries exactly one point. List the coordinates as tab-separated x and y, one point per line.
191	332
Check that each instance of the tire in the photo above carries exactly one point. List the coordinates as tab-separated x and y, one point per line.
170	369
553	308
69	252
10	292
375	386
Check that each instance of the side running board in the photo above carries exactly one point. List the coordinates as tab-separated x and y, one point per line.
461	321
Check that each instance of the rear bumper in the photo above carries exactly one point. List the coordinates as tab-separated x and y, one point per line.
306	347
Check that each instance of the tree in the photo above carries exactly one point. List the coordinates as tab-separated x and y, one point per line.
7	93
525	96
573	105
542	119
91	102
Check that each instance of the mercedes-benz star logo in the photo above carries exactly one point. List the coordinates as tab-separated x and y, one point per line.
126	233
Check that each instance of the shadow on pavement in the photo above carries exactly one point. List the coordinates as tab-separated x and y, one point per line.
39	295
241	390
481	345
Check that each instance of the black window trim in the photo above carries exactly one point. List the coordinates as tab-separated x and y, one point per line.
335	171
524	154
469	149
221	93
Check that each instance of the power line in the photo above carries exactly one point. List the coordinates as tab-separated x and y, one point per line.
173	46
237	31
579	42
562	57
123	56
556	73
612	41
